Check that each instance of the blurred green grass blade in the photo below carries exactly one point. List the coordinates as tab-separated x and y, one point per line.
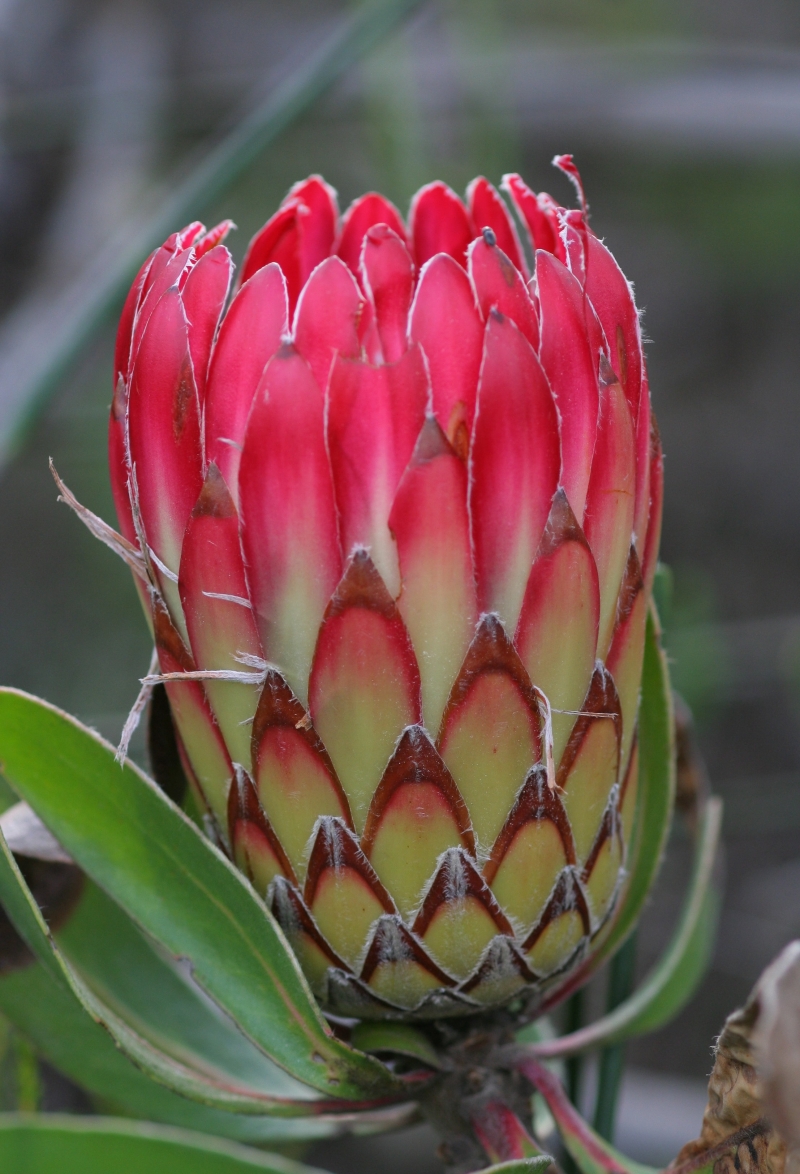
673	981
55	1144
105	283
137	846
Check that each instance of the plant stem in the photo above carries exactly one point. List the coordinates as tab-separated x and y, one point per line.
576	1013
612	1059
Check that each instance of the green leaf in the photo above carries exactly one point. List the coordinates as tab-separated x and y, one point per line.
73	1145
656	787
160	869
399	1039
207	1085
162	1004
50	1016
673	981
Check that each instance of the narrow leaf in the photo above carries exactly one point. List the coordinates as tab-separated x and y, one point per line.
50	1015
73	1145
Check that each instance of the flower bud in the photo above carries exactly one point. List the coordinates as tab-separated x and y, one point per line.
400	505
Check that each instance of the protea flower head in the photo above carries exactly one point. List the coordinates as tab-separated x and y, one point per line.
397	508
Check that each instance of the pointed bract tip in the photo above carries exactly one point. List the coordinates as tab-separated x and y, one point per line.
413	740
431	443
215	500
361	585
378	233
562	525
608	376
567	165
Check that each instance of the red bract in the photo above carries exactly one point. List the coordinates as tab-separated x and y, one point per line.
399	508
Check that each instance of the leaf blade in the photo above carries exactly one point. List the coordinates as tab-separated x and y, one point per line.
48	1013
137	845
109	1146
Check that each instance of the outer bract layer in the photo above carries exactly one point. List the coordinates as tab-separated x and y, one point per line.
394	500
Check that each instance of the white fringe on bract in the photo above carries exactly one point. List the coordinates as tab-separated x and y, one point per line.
546	714
257	677
135	715
100	529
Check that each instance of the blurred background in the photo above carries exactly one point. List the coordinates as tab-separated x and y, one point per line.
684	116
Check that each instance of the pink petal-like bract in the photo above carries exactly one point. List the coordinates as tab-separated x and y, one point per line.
488	210
166	270
514	465
249	336
219	617
571	368
439	223
447	324
499	286
374	418
165	440
387	272
540	214
289	533
204	296
362	215
438	599
327	320
610	500
394	510
298	237
610	293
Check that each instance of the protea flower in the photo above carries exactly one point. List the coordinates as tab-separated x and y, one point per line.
395	514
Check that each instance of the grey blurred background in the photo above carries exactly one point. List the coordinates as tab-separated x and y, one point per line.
685	120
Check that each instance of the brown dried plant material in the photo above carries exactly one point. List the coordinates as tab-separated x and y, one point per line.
778	1047
755	1084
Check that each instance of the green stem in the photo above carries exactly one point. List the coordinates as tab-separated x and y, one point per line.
612	1059
576	1013
575	1017
103	287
